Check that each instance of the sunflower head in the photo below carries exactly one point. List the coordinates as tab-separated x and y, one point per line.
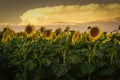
58	31
40	32
42	29
117	41
67	29
7	34
29	30
94	34
48	34
76	37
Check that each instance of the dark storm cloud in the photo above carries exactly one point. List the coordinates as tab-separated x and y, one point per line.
11	10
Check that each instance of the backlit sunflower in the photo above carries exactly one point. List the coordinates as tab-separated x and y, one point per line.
29	30
107	37
58	32
8	34
117	41
118	38
94	34
42	29
40	32
67	31
76	37
5	37
48	34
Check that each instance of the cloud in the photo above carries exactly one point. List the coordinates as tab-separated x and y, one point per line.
72	13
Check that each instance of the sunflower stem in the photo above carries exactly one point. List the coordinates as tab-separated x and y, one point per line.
64	56
89	77
89	56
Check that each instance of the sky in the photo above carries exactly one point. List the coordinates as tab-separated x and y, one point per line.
35	11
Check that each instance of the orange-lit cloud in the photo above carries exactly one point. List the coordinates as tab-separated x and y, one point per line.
72	14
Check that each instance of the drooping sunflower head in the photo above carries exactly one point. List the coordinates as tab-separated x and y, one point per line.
94	33
29	30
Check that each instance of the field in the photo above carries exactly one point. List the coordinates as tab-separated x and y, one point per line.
59	55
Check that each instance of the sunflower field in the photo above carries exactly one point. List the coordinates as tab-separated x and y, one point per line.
44	54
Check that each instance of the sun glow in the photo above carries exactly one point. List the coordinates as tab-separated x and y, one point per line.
71	14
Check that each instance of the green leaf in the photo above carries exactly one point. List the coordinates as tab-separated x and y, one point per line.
30	65
106	71
74	58
117	62
47	62
99	54
87	68
20	76
35	56
59	69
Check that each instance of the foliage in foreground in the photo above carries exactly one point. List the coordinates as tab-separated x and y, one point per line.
59	55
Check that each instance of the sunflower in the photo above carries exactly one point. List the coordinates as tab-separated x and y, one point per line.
117	41
94	34
42	29
58	31
118	38
76	37
48	34
67	31
29	30
7	34
40	32
107	37
5	37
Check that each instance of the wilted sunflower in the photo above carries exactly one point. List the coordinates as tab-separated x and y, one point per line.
76	37
29	30
94	34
